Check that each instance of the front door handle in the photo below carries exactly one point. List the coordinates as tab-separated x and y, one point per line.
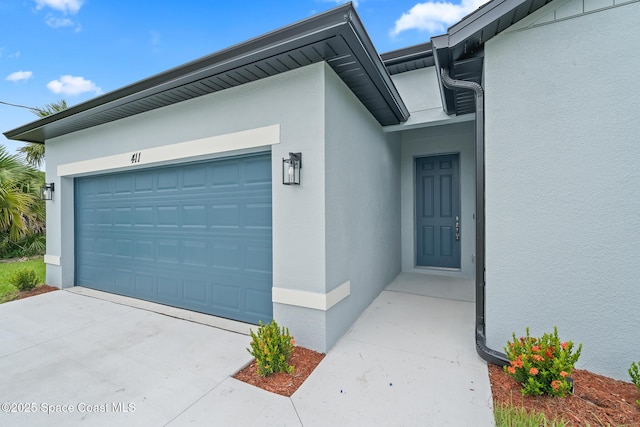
457	227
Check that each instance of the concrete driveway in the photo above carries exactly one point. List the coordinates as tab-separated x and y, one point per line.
409	360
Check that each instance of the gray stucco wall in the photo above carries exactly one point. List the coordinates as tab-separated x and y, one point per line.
295	101
429	141
420	92
362	180
562	185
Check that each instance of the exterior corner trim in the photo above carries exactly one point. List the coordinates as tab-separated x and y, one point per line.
51	259
314	300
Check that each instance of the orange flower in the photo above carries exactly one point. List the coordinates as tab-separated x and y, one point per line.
511	370
556	384
533	371
517	363
537	358
564	345
549	353
535	348
293	342
563	374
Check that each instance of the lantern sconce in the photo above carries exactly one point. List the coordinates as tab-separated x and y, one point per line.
291	169
46	191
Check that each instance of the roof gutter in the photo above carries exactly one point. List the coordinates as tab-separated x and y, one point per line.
488	354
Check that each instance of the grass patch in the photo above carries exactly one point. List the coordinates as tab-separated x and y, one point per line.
515	416
7	269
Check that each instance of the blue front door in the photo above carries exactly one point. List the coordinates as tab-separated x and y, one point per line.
438	211
195	236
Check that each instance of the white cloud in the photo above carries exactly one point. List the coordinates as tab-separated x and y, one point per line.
54	22
16	54
72	85
66	6
434	16
19	75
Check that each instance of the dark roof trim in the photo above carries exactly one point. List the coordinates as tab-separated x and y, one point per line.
461	49
336	36
408	59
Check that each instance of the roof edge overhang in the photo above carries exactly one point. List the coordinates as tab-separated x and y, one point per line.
325	33
461	49
409	58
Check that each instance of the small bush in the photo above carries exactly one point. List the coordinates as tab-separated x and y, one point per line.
271	347
541	365
634	373
24	279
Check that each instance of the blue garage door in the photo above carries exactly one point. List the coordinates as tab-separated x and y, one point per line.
194	236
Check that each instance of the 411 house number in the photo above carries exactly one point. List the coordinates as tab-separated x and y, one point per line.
135	158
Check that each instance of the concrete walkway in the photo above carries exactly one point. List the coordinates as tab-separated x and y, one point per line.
408	361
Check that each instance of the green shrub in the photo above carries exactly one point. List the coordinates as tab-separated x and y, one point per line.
634	373
271	347
541	365
24	279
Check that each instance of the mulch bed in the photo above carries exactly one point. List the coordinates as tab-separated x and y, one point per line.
304	362
597	400
42	289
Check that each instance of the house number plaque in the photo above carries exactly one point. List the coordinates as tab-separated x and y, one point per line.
135	158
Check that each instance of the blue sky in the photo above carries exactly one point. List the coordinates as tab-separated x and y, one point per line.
78	49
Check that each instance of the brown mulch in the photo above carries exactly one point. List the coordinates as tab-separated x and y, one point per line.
304	362
42	289
597	400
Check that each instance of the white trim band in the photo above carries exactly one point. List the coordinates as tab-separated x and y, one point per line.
314	300
173	153
52	259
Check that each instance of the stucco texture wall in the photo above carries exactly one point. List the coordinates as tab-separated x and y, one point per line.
362	180
563	185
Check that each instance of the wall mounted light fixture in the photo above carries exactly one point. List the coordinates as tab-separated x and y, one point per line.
46	191
291	169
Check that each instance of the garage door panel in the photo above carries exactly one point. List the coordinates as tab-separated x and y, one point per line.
168	180
195	253
124	280
122	184
194	236
143	216
168	251
143	183
257	215
257	301
167	216
124	248
169	288
226	297
195	292
195	179
224	176
194	216
143	284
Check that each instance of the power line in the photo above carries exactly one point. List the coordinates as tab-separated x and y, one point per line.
16	105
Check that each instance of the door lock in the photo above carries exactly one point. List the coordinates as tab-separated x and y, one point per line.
457	227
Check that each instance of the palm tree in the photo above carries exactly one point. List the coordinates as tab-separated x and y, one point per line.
22	213
34	153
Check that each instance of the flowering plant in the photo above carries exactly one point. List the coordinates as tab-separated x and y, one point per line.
541	365
271	347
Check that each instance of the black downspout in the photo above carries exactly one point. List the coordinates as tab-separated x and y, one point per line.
488	354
